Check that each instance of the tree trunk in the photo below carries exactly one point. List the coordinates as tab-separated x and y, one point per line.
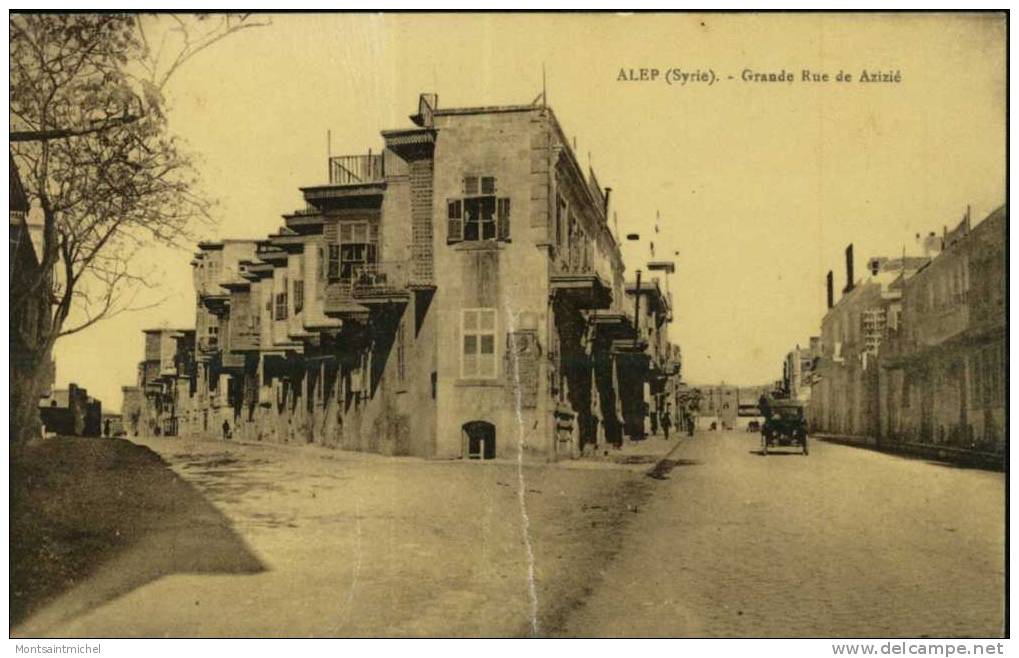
30	373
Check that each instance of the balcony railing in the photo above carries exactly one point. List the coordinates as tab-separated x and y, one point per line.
357	169
208	344
384	278
577	258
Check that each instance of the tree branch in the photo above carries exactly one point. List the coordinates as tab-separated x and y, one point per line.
64	133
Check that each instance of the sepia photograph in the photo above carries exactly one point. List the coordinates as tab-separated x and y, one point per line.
509	325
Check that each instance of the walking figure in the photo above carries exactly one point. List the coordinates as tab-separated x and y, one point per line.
226	429
666	423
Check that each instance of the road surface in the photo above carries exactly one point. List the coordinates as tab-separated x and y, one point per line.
845	542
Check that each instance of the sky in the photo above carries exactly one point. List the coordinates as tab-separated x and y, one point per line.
759	186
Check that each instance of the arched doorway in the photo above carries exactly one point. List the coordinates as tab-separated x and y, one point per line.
479	440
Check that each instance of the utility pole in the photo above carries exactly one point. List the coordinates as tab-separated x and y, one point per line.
636	313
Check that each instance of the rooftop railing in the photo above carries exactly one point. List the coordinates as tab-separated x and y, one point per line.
357	169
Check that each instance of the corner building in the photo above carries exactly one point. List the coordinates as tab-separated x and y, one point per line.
458	294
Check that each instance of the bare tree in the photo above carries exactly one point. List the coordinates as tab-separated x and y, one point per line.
89	137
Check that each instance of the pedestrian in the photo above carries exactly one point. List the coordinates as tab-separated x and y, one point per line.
666	423
765	406
106	428
226	429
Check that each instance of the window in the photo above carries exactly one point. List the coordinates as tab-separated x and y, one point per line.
560	219
281	305
479	218
213	334
358	248
298	296
478	352
334	261
479	215
401	357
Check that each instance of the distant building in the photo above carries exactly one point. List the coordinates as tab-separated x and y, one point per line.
71	412
798	370
719	405
163	381
112	425
944	375
132	409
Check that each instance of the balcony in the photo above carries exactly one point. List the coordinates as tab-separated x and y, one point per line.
355	181
611	325
579	284
354	296
384	282
208	345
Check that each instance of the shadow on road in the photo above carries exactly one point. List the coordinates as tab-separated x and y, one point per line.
93	519
770	453
663	468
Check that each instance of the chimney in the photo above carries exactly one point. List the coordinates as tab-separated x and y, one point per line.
608	193
831	289
849	268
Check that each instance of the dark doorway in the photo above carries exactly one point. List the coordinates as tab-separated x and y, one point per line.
479	440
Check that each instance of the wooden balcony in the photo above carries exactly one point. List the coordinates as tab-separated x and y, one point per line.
581	286
612	326
216	303
355	181
208	346
380	283
366	288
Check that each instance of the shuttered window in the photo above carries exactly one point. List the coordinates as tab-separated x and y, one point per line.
334	261
456	225
479	214
477	356
503	218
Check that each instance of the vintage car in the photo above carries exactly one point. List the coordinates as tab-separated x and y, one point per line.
784	427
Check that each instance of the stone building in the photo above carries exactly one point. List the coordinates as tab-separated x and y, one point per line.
719	405
798	370
844	398
162	395
131	409
943	380
457	294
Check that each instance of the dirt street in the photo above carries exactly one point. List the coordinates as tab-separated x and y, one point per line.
844	543
355	544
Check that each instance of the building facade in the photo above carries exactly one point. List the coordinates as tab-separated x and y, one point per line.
798	370
844	395
943	380
458	294
916	354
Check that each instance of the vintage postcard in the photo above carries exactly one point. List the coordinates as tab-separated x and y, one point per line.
500	325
